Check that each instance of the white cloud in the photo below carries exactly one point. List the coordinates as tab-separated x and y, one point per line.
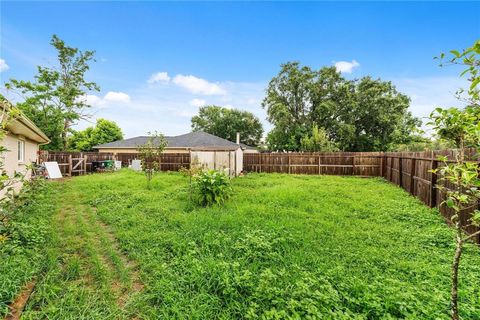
159	77
110	98
3	65
198	85
346	67
197	102
118	97
168	108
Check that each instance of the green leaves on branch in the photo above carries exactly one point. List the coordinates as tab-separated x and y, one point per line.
104	131
470	59
56	99
225	123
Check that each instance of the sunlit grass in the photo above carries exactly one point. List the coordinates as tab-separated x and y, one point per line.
282	246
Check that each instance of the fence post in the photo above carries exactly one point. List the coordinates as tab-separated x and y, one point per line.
433	181
353	165
319	167
400	172
70	164
382	158
412	175
289	170
85	158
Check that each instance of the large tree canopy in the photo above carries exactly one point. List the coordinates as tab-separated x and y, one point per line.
225	123
104	131
357	115
55	99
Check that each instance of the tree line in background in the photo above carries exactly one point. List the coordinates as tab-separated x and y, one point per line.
319	110
310	110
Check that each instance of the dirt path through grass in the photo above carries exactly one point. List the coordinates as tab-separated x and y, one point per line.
86	273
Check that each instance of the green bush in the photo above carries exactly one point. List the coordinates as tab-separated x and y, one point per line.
212	187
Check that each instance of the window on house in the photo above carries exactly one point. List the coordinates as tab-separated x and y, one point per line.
21	150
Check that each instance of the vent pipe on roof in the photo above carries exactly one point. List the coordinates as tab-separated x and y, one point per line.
238	137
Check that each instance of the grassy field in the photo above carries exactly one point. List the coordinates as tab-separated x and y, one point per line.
283	246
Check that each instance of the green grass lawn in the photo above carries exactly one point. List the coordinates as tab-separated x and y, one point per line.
283	246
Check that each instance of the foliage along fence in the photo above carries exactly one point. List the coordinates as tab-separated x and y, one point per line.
78	163
409	170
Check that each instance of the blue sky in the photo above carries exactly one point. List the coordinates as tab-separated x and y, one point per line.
158	62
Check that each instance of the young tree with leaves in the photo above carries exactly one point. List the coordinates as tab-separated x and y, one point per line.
150	153
225	123
459	180
55	100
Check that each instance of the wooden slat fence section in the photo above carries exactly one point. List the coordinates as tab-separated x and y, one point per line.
78	163
412	169
331	163
74	163
168	161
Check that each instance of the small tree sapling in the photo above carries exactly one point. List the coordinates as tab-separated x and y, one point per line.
150	153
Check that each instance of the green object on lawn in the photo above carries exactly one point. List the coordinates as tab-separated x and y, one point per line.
109	164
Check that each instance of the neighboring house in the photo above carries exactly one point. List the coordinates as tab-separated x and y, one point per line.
205	149
22	140
193	141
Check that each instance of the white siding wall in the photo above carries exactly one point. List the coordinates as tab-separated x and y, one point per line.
232	161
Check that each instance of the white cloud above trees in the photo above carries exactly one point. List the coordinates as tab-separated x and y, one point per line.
197	102
3	65
346	66
198	85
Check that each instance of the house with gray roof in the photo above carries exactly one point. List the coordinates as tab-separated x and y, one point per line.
204	149
185	143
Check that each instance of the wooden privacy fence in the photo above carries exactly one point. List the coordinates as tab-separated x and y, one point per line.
168	161
409	170
78	163
331	163
74	163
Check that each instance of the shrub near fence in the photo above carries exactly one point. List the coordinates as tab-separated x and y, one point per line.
409	170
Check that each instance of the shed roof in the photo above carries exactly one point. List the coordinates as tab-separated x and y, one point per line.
197	139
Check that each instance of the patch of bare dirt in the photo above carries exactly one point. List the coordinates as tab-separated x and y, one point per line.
18	305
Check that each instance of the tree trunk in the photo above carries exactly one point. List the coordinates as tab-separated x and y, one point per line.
66	126
455	266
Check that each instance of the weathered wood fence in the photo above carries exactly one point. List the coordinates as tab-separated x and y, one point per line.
73	163
79	163
409	170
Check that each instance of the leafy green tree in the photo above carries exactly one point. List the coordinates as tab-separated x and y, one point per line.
150	153
225	123
54	100
358	115
317	141
104	131
462	187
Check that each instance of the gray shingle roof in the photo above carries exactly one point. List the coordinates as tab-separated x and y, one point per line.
196	139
